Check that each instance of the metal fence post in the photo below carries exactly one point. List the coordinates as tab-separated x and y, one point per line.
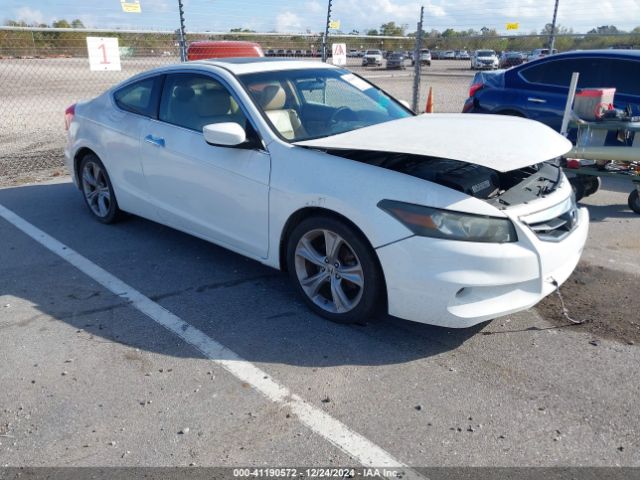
553	28
183	36
326	33
417	64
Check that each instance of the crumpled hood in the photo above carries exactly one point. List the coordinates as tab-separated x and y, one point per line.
499	142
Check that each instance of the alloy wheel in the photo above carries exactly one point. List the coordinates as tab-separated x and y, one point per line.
96	189
329	271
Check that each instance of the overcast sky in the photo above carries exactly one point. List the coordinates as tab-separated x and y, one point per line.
301	15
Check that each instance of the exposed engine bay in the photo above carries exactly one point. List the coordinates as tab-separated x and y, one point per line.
502	189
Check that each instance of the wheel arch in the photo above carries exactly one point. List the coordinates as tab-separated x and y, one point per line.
306	212
77	159
510	111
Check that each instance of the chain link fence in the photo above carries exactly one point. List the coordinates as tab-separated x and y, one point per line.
44	70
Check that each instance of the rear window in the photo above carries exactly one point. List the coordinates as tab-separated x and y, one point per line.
139	97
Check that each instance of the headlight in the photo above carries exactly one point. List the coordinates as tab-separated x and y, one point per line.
447	224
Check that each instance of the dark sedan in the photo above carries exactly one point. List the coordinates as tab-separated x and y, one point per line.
511	59
538	89
396	60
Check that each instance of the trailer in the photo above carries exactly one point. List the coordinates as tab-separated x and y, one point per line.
593	156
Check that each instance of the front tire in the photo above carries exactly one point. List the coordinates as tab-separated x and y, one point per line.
335	270
97	190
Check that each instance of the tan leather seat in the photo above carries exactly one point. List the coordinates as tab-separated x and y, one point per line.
213	107
286	121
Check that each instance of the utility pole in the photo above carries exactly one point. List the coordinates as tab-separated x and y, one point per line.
182	35
417	64
326	33
552	42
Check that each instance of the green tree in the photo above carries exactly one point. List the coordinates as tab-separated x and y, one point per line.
373	31
390	29
605	30
77	23
61	24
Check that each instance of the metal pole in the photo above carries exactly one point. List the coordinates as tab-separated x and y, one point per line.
568	107
183	35
326	33
553	28
417	64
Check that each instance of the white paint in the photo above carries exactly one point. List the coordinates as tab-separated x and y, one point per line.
103	53
242	199
499	142
337	433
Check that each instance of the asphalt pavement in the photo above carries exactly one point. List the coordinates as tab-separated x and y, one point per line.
91	378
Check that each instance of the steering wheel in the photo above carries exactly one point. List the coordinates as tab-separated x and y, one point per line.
335	116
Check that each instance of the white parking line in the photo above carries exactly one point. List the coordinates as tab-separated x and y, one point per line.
362	450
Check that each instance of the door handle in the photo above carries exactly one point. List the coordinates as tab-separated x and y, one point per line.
157	141
536	100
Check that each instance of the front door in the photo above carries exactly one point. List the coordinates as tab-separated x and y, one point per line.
217	193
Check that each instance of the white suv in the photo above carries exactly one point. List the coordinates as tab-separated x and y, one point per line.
425	57
484	60
372	57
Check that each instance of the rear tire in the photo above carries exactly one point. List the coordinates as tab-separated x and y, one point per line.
634	201
335	270
97	190
578	185
592	185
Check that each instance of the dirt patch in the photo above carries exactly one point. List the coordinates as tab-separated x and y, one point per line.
606	300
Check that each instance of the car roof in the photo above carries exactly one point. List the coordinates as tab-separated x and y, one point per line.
612	53
241	65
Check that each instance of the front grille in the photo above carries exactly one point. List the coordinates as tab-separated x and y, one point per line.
556	228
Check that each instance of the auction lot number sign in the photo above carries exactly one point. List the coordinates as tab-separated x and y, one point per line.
103	53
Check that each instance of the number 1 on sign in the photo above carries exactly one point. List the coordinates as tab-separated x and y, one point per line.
103	47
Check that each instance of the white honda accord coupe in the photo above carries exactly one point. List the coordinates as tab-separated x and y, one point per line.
443	219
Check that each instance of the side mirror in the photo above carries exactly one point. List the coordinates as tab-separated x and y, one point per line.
228	134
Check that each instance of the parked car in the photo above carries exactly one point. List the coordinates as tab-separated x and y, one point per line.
396	60
538	90
462	55
281	52
308	168
511	59
223	49
372	57
425	57
449	55
270	53
539	53
484	60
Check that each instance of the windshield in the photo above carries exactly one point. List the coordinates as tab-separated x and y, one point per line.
373	52
486	53
314	103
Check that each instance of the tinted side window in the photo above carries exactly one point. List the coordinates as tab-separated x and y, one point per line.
558	72
193	101
139	97
624	75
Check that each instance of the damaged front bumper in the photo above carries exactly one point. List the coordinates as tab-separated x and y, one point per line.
459	284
